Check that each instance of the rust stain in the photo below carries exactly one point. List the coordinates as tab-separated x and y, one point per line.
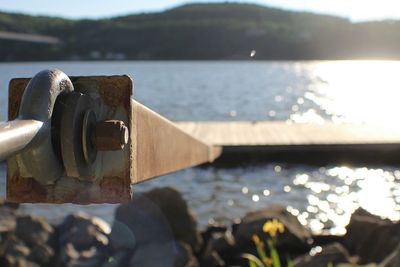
115	189
113	90
116	92
25	190
15	92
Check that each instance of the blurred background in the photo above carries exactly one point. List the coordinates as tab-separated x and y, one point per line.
303	61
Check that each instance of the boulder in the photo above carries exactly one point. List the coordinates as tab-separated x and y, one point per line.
33	230
118	259
14	252
326	239
70	257
83	231
146	226
296	239
152	253
83	241
185	257
331	254
219	246
392	260
122	237
41	253
361	224
177	213
212	259
8	220
379	243
11	261
12	246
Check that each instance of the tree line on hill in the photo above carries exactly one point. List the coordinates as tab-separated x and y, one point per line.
203	32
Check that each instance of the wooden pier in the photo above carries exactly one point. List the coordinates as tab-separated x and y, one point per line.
305	143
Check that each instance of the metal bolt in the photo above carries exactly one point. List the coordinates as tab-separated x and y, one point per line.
110	135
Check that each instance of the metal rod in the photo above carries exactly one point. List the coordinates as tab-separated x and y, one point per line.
17	134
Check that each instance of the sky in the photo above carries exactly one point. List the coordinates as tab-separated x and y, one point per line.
355	10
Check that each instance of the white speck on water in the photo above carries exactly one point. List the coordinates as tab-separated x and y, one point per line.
245	190
278	98
272	113
277	168
253	53
233	113
255	198
266	192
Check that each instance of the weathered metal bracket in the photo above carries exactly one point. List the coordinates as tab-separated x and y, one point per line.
155	147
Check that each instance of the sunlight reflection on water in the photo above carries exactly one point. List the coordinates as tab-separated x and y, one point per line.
321	91
350	91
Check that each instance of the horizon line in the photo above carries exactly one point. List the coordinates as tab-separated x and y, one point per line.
174	6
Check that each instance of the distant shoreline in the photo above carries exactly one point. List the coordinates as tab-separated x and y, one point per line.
219	31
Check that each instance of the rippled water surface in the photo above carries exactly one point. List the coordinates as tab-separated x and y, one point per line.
297	92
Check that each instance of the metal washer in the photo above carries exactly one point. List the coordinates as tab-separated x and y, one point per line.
78	157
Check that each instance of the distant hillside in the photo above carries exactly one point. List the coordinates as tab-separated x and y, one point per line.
203	31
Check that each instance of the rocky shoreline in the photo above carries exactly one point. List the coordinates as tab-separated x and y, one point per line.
158	229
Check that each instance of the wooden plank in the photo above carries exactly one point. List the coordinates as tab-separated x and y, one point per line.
285	134
299	143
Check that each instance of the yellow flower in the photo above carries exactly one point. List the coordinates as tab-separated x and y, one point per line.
268	261
273	227
256	239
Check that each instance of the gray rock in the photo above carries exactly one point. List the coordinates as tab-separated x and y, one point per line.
220	243
8	220
361	224
154	254
392	260
70	257
122	237
68	253
83	231
176	211
14	252
119	259
33	230
41	253
10	261
380	243
83	241
146	225
334	253
12	246
212	259
185	257
296	238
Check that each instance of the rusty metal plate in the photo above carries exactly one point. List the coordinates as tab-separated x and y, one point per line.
114	172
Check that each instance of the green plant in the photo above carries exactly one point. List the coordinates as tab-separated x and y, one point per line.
272	228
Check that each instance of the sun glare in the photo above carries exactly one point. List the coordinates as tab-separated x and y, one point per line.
354	92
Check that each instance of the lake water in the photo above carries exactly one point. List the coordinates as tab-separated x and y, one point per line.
318	91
